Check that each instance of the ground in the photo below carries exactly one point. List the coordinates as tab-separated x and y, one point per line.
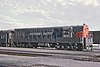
25	61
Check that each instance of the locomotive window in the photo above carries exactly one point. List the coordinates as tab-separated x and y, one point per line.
67	32
77	28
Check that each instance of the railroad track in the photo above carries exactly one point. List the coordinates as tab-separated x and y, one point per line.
64	54
61	52
49	51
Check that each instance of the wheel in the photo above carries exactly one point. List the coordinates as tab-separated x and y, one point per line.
57	47
79	47
68	47
62	47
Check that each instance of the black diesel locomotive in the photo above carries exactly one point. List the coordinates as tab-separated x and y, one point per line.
66	37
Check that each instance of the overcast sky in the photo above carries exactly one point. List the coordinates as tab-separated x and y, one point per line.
40	13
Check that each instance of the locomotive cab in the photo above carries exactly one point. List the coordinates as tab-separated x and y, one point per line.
85	37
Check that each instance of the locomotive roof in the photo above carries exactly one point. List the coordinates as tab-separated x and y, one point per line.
48	27
6	31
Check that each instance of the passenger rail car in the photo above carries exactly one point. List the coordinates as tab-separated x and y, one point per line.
96	37
66	37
